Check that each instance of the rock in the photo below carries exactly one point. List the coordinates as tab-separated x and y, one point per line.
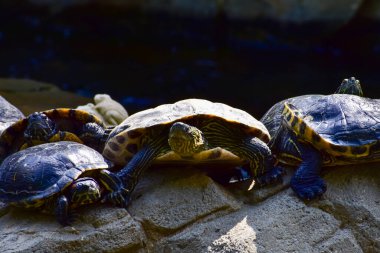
110	111
289	11
180	209
11	85
31	96
370	10
100	229
280	224
176	198
297	11
9	114
353	196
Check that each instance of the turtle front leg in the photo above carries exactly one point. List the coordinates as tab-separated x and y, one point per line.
130	174
94	135
62	209
306	182
255	151
260	159
118	195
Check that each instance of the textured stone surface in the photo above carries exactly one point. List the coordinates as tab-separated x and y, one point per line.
181	198
31	96
181	209
98	230
289	10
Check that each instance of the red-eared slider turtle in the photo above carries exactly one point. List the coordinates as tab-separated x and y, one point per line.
53	125
8	114
190	130
57	177
312	131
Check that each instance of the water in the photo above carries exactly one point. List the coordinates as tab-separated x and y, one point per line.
145	60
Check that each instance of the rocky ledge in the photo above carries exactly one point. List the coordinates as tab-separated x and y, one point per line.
183	210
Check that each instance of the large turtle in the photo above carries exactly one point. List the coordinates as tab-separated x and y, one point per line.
190	130
60	124
57	177
312	131
8	114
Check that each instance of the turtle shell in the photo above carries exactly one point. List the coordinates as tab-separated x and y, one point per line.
339	124
66	119
33	175
8	114
125	139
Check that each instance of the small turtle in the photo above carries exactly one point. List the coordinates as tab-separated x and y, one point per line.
57	177
312	131
53	125
8	114
190	131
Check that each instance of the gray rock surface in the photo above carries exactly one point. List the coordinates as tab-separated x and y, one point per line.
30	96
181	209
287	10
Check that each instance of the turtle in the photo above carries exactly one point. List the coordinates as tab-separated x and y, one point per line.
315	131
191	131
53	125
57	178
8	114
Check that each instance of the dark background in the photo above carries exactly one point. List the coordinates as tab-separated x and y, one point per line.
144	59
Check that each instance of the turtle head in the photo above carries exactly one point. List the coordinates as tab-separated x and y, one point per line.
39	127
186	140
83	191
350	86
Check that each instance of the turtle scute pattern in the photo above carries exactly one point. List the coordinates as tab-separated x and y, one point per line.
125	140
30	176
68	121
341	125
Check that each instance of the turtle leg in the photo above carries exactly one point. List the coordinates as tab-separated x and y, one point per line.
62	209
131	173
306	181
118	195
255	151
94	135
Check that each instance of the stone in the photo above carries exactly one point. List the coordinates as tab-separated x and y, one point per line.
370	10
280	224
8	114
353	196
289	11
177	198
100	229
296	11
31	96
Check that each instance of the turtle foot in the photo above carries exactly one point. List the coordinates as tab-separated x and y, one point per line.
271	177
308	189
119	198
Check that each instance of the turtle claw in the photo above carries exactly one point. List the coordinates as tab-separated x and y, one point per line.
310	189
119	198
72	218
272	176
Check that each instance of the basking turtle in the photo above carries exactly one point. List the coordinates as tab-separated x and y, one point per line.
190	131
53	125
8	114
58	177
312	131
